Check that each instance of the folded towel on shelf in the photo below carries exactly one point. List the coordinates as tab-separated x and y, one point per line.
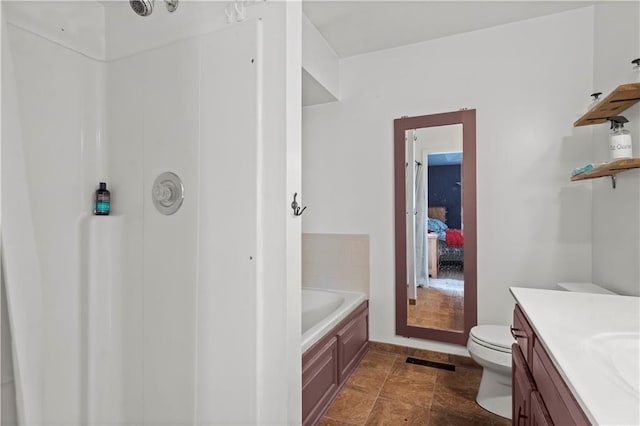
580	170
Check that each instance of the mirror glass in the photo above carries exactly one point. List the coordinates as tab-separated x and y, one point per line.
435	225
435	238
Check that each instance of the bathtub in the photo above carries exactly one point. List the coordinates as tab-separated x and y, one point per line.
324	309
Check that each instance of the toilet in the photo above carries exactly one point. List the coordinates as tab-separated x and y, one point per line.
490	346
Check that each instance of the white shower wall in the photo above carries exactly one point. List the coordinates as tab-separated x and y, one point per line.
60	101
185	117
154	122
155	319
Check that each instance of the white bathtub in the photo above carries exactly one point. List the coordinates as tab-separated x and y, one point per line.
324	309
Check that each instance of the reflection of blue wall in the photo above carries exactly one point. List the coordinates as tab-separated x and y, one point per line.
444	191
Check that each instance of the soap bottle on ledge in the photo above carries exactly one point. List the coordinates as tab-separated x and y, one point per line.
103	200
620	139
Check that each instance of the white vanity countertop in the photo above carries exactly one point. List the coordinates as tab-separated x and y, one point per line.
593	341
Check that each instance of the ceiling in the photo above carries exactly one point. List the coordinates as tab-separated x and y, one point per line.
356	27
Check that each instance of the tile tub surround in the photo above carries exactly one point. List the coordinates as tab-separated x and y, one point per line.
336	262
572	328
384	389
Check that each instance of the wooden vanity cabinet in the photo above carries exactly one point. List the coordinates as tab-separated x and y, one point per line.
540	397
523	385
539	414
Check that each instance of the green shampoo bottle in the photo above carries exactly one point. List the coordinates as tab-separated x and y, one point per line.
103	200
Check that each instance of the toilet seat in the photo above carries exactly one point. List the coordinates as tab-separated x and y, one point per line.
494	337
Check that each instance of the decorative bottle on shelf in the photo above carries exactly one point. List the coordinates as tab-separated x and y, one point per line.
636	69
619	139
595	98
103	200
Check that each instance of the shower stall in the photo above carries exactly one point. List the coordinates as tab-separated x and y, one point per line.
156	313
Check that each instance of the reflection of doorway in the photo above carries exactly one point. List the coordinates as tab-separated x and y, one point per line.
444	211
439	298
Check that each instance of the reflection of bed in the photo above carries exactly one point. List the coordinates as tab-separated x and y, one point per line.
448	254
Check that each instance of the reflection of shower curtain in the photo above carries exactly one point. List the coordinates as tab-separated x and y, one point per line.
420	221
21	272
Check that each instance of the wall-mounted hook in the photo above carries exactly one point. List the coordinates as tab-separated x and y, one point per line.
296	207
613	181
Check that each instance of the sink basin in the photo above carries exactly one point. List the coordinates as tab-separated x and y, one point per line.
619	355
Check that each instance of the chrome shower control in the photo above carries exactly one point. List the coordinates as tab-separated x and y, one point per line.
167	193
172	5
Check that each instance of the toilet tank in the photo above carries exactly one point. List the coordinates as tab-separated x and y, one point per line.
583	288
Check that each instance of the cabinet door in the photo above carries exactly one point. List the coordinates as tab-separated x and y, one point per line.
319	381
539	414
353	341
559	401
521	390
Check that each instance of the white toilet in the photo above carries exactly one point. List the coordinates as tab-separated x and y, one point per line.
490	346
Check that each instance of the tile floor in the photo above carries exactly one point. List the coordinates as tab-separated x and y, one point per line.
385	390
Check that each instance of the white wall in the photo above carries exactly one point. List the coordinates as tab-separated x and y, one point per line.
319	59
59	105
616	228
528	81
280	390
320	67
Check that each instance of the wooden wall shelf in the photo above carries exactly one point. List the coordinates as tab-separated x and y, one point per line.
609	169
617	101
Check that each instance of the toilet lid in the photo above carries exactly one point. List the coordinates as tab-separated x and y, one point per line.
493	336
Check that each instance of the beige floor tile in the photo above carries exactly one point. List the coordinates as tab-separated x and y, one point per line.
385	390
351	406
327	421
413	384
449	416
456	392
378	360
457	387
369	380
393	412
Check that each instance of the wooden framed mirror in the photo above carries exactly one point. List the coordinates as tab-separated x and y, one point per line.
435	226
